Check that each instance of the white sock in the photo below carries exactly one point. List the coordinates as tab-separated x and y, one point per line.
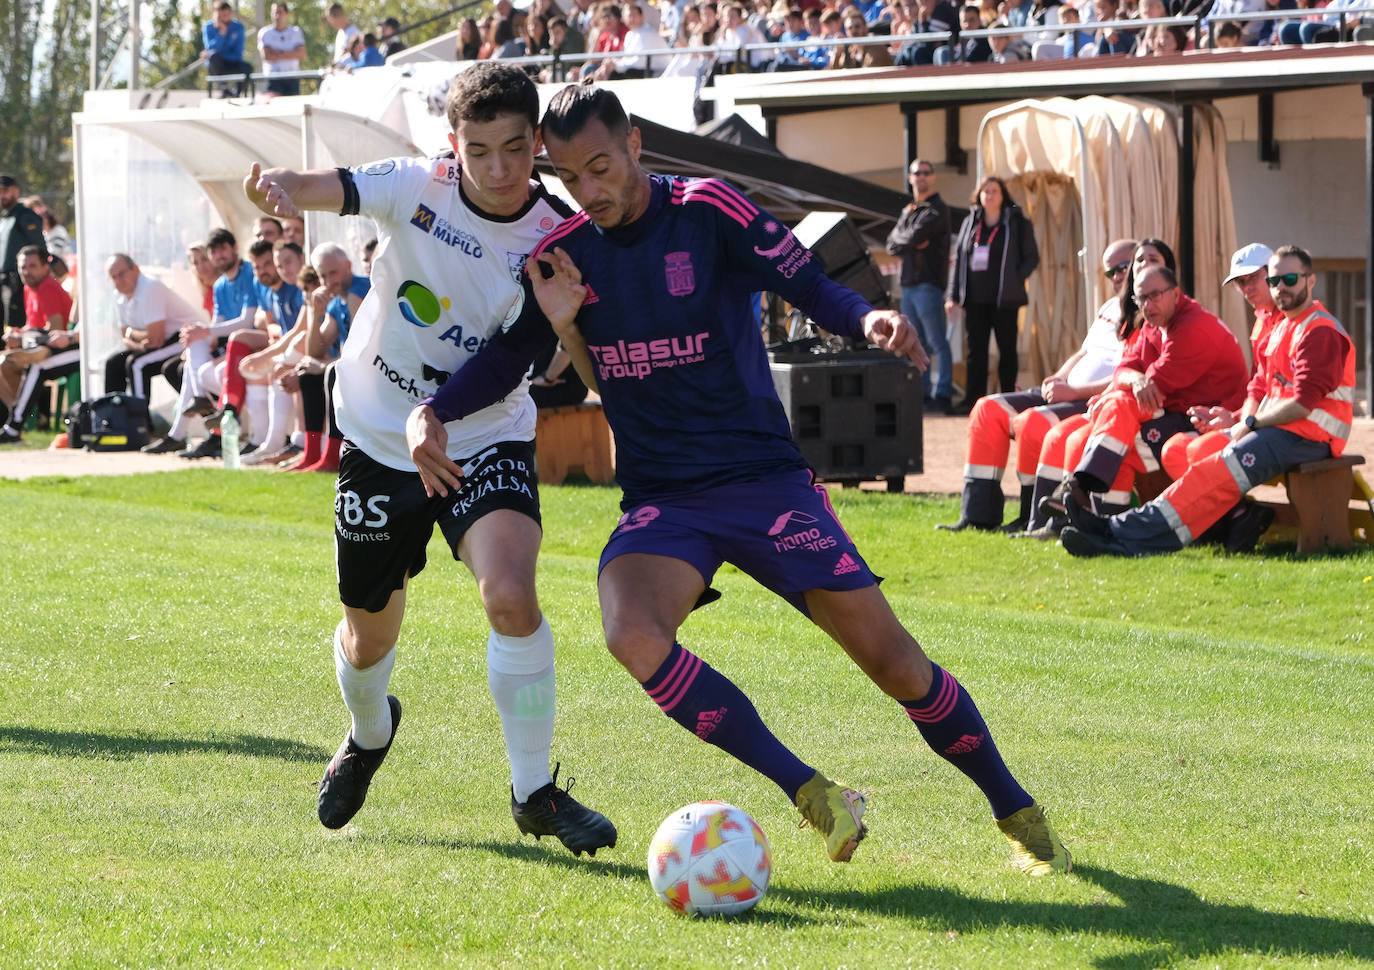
520	674
197	354
178	429
364	692
278	416
210	377
255	408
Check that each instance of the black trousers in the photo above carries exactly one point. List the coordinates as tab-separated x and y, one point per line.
983	320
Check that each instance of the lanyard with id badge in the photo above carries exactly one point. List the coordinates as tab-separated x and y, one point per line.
982	251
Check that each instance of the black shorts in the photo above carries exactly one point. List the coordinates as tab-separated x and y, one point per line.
383	520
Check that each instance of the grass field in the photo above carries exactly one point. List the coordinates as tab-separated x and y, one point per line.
1198	725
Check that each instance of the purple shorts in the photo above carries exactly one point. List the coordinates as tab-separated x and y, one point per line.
781	531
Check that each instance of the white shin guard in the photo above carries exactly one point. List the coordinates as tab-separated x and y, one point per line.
520	674
364	692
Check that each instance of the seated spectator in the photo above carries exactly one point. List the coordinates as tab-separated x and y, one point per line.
278	306
1004	50
794	33
1111	40
1161	39
1063	445
332	308
236	304
47	310
1043	13
932	17
968	51
1269	29
469	43
293	230
1075	42
363	53
611	30
1250	30
150	318
736	33
847	56
998	419
1184	357
1249	272
1325	29
222	38
1298	408
280	365
638	36
267	228
560	43
1227	35
832	28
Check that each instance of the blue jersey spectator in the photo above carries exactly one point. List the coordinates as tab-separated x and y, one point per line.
223	40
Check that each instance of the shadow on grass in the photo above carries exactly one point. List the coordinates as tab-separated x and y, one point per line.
1169	923
551	853
121	747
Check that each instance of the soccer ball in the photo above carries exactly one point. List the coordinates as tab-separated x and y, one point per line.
710	858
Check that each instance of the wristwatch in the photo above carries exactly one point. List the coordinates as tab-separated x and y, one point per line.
1250	422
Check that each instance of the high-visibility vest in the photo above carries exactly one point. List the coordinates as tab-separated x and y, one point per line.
1330	419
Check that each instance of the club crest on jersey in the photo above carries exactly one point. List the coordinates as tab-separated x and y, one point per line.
379	168
516	263
677	267
424	217
419	305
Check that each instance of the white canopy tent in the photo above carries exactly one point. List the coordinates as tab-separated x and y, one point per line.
151	183
1091	170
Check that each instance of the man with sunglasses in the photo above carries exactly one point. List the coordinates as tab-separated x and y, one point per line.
921	238
1184	356
1298	408
1026	416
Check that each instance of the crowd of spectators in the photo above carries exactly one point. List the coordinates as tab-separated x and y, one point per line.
624	30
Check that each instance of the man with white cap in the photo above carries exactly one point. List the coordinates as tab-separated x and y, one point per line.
1249	266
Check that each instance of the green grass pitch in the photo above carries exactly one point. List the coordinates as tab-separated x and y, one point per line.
1198	726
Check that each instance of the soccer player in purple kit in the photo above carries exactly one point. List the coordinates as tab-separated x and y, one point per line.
648	288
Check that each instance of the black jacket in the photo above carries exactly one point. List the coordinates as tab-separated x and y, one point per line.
922	222
1020	256
27	231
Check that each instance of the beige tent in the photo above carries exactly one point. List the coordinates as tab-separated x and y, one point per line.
1092	170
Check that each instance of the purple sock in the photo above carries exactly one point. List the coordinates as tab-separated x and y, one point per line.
950	723
705	702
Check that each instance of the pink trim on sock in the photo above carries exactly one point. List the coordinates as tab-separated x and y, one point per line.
938	709
669	693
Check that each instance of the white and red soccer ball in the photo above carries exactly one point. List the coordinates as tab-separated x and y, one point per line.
710	858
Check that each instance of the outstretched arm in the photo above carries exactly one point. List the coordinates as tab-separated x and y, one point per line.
284	192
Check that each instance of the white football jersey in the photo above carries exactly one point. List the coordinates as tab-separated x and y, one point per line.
445	279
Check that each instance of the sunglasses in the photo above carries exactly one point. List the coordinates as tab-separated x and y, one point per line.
1117	270
1287	279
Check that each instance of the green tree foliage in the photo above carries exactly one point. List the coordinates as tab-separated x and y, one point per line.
45	66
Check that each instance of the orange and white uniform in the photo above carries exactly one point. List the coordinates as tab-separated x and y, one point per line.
1309	359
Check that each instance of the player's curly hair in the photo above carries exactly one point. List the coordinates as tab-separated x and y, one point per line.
488	89
577	105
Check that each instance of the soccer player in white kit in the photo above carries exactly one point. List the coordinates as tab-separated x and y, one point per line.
446	281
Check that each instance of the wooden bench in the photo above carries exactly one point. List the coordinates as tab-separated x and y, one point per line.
573	439
1318	513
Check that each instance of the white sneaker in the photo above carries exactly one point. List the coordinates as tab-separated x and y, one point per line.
259	455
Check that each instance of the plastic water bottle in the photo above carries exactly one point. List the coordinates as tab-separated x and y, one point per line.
229	441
